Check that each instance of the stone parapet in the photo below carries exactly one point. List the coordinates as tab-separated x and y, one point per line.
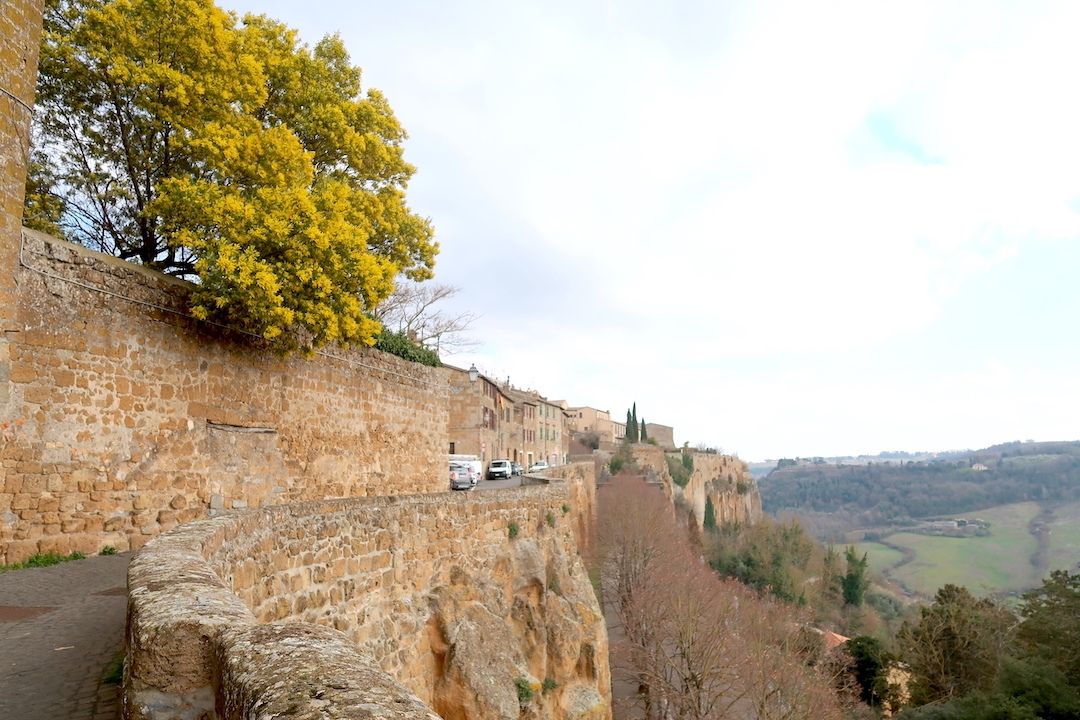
407	604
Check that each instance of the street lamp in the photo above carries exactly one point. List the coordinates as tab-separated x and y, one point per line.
473	375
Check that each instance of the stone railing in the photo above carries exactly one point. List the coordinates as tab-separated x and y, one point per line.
388	606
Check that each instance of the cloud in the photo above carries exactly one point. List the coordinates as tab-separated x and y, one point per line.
746	215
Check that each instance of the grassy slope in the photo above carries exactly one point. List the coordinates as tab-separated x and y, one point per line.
991	565
1065	538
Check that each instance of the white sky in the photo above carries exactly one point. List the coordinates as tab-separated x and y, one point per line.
785	228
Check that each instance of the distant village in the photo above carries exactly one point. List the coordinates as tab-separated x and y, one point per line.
494	420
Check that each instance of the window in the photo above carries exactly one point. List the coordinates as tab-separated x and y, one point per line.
452	450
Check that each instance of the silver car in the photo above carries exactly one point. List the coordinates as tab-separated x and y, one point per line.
462	476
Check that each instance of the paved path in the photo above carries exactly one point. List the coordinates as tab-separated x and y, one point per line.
60	627
501	483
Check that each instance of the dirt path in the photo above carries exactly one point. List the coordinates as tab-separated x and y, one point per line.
908	555
60	628
1039	527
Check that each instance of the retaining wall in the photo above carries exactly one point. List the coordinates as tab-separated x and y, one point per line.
376	606
125	417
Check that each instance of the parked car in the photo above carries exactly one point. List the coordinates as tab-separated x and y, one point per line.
538	466
517	469
500	469
462	476
473	461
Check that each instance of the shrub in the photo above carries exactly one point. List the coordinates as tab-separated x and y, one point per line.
400	345
512	529
616	464
107	550
550	520
680	475
549	685
525	691
565	509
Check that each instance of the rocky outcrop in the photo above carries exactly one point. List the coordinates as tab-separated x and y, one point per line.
727	481
723	479
501	643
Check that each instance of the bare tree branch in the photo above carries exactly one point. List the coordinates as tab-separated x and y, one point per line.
410	311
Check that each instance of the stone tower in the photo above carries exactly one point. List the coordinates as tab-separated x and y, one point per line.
20	38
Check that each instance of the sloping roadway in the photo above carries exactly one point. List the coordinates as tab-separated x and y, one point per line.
61	631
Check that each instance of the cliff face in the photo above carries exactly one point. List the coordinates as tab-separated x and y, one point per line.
727	481
724	479
497	639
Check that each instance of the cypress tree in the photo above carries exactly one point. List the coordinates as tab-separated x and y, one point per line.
709	521
630	429
854	583
643	432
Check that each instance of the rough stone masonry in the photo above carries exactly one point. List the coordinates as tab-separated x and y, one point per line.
20	38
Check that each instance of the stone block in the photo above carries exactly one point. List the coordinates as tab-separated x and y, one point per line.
56	544
21	550
22	373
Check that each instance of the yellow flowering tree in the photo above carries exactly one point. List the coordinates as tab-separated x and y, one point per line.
225	151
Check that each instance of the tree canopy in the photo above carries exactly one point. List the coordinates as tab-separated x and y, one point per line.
956	647
228	152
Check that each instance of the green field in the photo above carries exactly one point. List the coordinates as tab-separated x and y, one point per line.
1064	551
996	565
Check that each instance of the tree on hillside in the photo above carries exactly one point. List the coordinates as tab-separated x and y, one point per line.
957	646
642	432
771	556
696	646
831	578
708	522
230	153
871	670
855	582
633	529
1051	626
634	422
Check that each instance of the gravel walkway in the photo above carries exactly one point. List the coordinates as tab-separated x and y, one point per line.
60	628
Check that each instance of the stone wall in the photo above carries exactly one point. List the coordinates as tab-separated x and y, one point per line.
20	38
457	597
126	417
581	477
